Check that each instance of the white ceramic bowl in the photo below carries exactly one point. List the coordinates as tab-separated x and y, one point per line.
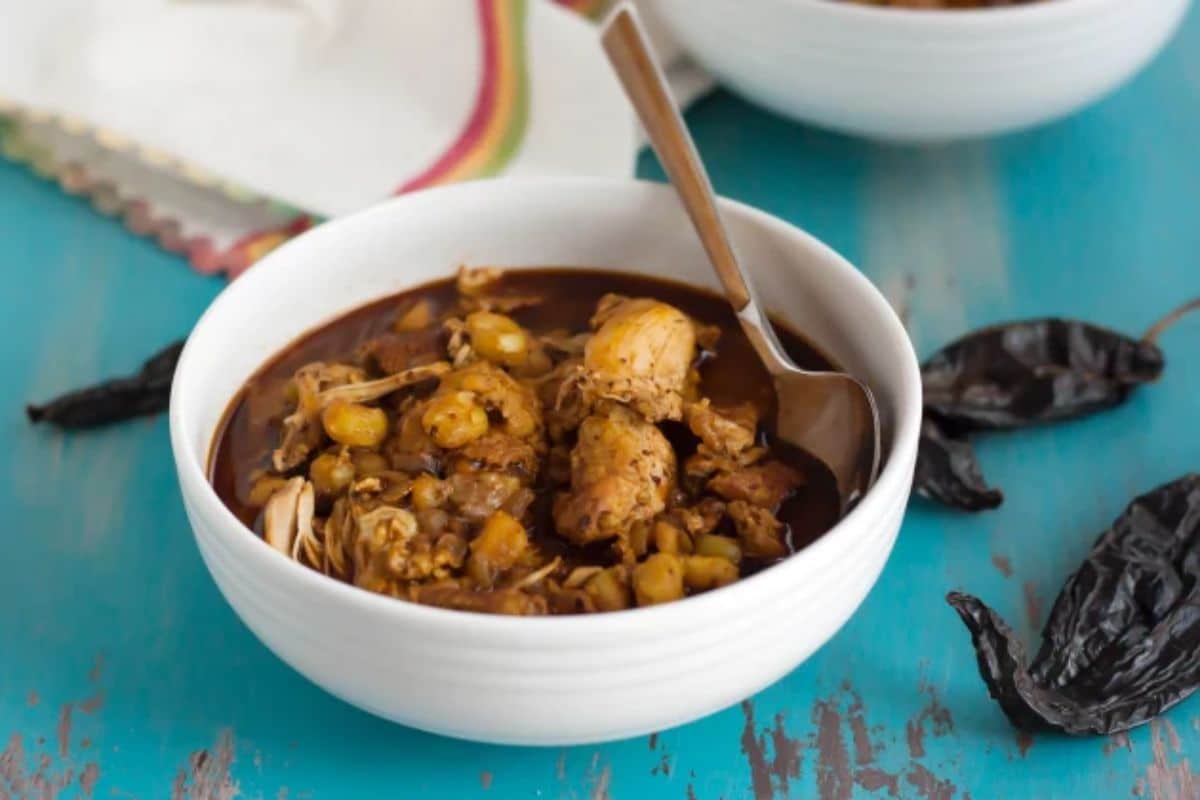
558	680
919	74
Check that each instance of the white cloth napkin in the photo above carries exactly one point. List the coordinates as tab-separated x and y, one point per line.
222	127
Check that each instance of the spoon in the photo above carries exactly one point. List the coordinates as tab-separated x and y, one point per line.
829	414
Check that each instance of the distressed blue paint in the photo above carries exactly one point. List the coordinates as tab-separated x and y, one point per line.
1093	217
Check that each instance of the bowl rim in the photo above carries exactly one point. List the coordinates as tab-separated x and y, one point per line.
1036	10
893	482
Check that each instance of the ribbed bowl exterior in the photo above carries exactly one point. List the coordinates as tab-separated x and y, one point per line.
549	681
921	75
485	686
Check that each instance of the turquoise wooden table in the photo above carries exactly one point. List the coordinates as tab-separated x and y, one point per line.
123	674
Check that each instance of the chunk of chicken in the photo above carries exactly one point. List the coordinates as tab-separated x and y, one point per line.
760	533
640	355
515	403
701	518
622	472
503	453
726	431
765	485
453	424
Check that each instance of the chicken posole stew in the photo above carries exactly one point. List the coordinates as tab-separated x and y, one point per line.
531	442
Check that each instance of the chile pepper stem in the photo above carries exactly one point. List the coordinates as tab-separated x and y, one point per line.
1157	328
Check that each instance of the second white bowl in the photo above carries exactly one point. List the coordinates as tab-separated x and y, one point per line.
559	680
919	74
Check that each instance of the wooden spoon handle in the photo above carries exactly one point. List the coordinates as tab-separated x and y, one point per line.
629	51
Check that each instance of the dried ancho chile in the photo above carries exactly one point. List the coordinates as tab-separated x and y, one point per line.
146	392
1123	640
947	470
1016	375
1023	373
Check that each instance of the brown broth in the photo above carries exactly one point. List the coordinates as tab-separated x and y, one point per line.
250	430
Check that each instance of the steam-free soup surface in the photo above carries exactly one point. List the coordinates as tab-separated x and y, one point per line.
528	442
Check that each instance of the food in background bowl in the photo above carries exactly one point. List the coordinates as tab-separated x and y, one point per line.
942	3
529	442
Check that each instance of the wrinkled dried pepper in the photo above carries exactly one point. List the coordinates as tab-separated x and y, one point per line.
1019	374
1024	373
1122	643
948	472
146	392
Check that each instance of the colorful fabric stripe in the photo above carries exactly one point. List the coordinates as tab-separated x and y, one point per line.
591	9
486	144
492	134
496	126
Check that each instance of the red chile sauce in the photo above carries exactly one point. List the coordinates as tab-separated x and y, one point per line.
731	375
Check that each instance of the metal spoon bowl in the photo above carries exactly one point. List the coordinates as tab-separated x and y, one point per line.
829	414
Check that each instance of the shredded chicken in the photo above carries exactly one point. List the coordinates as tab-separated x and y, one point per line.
389	551
704	464
760	533
288	514
562	397
307	544
372	390
701	518
725	431
318	385
766	485
302	429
